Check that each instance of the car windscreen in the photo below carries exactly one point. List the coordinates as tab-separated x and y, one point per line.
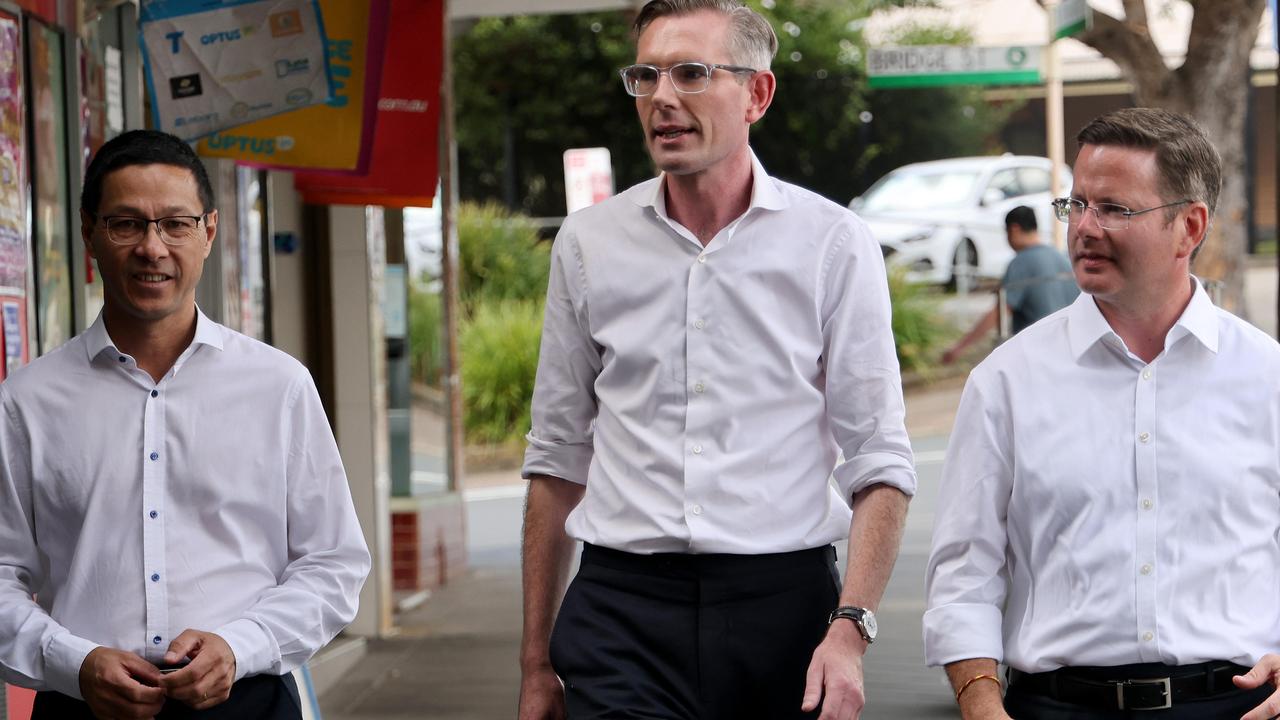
920	190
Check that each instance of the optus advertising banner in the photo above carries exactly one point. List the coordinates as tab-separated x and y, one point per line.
335	136
403	166
215	64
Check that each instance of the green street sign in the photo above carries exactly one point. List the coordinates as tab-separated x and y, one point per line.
938	65
1071	17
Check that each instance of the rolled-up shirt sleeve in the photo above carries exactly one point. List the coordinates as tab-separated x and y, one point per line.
564	398
319	590
863	381
35	650
967	578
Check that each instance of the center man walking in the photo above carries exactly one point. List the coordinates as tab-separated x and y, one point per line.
715	339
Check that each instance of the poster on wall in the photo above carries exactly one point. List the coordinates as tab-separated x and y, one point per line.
13	245
338	135
49	186
210	69
13	331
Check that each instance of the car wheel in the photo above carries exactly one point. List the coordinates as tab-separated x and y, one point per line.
964	268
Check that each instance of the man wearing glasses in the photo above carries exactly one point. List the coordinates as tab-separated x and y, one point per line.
1108	519
170	490
714	340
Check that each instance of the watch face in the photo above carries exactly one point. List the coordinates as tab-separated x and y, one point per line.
869	623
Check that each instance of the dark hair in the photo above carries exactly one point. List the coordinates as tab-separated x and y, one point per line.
1022	216
752	42
142	147
1189	165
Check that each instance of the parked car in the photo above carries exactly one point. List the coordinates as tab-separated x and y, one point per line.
944	220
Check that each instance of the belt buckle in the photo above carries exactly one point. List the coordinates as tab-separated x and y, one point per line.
1168	693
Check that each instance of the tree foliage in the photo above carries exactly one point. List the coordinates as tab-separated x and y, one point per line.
531	87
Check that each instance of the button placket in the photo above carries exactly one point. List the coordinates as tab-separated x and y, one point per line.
1146	579
154	481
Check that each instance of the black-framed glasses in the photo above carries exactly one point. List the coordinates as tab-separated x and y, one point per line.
1109	215
173	230
686	77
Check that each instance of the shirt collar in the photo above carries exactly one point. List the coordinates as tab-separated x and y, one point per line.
1086	325
97	341
764	192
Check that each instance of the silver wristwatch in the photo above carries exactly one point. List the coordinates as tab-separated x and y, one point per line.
862	618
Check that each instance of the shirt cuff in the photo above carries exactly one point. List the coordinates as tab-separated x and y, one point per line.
883	468
63	657
962	631
567	462
252	647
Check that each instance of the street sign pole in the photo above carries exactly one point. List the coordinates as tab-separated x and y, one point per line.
1053	113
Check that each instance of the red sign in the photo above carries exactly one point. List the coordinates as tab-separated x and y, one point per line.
403	165
46	9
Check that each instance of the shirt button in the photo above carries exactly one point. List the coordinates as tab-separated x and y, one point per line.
155	456
699	324
696	509
1147	637
155	393
155	577
699	388
156	640
1145	570
702	258
154	514
697	449
1147	504
1146	374
1145	437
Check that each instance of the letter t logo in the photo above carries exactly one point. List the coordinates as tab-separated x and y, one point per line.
174	37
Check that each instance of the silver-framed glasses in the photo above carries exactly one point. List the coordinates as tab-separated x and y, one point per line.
686	77
1110	216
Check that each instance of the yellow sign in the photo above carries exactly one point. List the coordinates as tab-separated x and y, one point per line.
336	135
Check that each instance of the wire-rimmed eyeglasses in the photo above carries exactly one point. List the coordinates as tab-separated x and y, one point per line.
1109	215
686	77
174	229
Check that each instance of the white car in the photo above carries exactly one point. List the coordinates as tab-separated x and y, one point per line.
944	220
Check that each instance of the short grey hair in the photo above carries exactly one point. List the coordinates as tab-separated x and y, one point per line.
752	42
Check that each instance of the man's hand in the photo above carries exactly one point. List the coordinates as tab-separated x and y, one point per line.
541	695
834	679
119	684
207	680
1266	671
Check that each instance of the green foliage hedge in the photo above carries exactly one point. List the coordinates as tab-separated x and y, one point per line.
499	347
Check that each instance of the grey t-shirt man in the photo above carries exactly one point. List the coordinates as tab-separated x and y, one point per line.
1037	283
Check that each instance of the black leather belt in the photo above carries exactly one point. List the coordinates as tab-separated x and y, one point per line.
1095	688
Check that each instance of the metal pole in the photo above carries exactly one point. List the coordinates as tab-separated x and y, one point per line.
1053	114
449	259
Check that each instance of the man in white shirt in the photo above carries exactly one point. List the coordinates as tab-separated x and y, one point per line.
714	340
1110	502
170	490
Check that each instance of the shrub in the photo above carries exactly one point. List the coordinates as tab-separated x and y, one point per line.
917	328
426	335
500	257
499	347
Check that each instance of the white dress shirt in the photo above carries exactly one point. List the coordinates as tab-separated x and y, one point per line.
703	395
1099	510
214	500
